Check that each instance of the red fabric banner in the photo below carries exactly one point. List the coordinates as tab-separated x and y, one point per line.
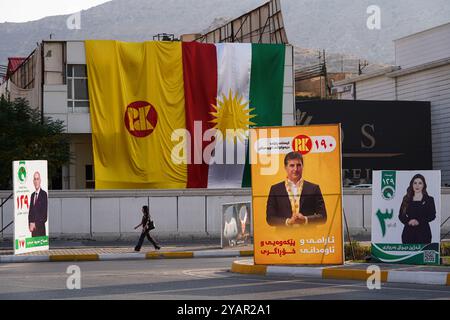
200	87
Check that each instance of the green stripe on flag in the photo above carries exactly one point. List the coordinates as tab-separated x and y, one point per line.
266	90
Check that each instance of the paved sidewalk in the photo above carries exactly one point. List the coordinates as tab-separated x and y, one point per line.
124	250
64	247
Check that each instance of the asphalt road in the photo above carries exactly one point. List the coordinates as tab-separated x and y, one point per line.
188	279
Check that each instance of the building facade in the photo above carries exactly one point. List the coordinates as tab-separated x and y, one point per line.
422	73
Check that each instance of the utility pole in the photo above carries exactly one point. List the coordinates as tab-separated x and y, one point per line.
320	63
361	66
325	73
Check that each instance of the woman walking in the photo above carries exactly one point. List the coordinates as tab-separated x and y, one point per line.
147	225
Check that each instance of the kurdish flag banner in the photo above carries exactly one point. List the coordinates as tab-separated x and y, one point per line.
176	115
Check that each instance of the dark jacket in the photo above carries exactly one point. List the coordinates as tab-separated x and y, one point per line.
424	212
145	222
279	207
38	213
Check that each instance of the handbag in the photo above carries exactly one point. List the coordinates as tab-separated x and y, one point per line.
150	225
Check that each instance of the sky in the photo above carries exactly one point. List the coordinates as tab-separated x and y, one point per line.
28	10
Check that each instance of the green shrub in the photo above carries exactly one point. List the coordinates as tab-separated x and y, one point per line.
445	249
361	252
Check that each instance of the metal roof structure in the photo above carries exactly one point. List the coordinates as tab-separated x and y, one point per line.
261	25
13	64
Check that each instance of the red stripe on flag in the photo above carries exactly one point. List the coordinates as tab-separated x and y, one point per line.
200	91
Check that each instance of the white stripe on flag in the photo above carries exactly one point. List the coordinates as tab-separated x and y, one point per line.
234	61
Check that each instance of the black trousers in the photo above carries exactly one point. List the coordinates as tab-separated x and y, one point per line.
145	233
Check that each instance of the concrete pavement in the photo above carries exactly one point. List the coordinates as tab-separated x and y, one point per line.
192	280
66	251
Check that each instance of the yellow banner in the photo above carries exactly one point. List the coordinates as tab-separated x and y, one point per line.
136	93
297	195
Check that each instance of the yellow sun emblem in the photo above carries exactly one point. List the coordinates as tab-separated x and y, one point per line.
232	113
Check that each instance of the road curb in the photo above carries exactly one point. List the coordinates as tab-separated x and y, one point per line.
20	259
127	256
73	257
392	276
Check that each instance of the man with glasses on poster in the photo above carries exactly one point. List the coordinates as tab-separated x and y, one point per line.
37	216
295	201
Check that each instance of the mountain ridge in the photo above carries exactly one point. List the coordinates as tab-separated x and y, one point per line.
339	27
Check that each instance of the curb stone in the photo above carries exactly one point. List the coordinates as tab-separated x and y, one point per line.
126	256
392	276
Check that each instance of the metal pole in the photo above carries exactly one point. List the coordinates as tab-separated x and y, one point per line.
445	221
441	227
1	205
349	237
7	226
445	235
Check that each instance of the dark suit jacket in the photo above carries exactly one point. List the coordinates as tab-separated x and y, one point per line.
279	207
424	212
38	213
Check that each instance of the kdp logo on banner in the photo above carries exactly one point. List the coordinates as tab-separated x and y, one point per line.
141	119
388	185
22	172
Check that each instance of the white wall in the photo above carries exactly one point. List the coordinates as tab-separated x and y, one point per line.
192	215
178	214
55	218
423	47
55	103
164	212
377	88
76	52
76	216
433	85
289	89
353	205
105	216
53	62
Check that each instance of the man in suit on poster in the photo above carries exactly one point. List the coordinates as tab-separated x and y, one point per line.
295	201
37	216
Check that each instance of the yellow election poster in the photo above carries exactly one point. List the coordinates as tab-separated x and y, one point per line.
297	195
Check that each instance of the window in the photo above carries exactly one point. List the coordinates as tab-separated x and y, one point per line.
57	180
77	88
90	181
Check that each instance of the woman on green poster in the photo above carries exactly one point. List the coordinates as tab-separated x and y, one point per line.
416	212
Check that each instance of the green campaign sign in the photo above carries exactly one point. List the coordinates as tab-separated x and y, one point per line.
406	216
30	206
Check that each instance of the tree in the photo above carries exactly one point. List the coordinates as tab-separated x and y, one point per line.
25	135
